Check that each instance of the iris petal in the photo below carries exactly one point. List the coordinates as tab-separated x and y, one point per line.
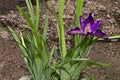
81	19
75	31
100	34
81	22
89	20
95	26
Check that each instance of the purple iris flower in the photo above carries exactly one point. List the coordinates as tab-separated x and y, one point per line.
89	27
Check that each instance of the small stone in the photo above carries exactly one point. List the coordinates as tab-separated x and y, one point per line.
4	34
101	7
108	16
24	78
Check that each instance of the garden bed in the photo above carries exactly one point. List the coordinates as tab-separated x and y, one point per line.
12	66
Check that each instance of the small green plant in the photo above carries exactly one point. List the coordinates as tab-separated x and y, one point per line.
35	49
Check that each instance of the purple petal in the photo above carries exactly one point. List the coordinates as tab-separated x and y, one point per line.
100	34
95	26
87	21
82	23
75	31
90	18
81	20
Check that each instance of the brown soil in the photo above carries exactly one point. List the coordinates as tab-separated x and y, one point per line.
12	66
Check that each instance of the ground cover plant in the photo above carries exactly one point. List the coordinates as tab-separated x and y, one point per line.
35	50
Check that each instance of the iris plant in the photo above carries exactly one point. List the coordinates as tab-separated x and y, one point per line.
89	27
39	59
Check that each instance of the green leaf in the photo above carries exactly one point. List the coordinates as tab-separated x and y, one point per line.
84	65
27	18
79	7
37	14
51	53
24	52
79	49
111	37
61	29
65	74
22	47
79	59
44	35
31	11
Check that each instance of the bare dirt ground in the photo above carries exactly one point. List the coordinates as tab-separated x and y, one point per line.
12	66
